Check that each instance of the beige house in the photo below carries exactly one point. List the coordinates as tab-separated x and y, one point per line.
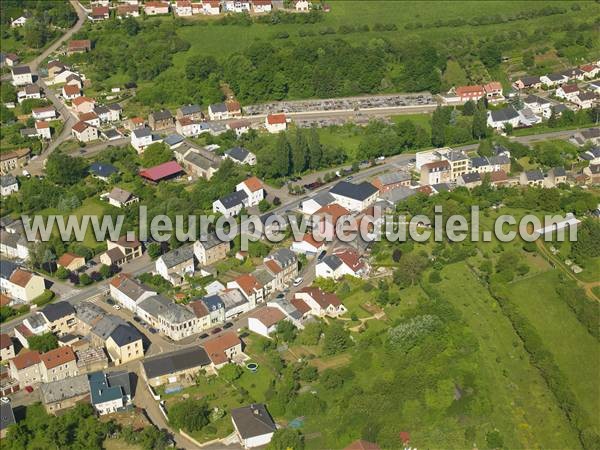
21	284
121	251
64	394
210	250
121	198
25	368
7	349
58	364
11	160
124	344
223	349
71	261
180	366
60	318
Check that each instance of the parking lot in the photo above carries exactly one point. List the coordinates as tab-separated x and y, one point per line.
342	104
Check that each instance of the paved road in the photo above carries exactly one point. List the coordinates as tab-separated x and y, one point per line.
36	166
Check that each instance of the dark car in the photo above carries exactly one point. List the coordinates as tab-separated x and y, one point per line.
137	319
203	336
152	330
228	325
321	255
215	331
110	301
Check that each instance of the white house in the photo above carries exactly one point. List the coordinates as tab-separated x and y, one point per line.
44	113
341	262
175	265
354	197
155	8
264	321
84	132
498	119
183	8
302	5
554	79
19	22
240	155
128	292
231	204
121	198
211	7
188	127
274	123
254	190
539	105
316	202
567	91
308	245
262	6
43	129
253	425
141	138
21	76
321	303
585	100
237	6
29	92
109	392
8	185
250	288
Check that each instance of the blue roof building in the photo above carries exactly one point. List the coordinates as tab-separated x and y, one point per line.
109	392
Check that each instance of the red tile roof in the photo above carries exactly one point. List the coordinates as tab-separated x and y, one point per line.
26	359
20	277
588	67
80	44
273	266
215	347
466	90
493	86
323	298
308	238
88	116
81	100
5	341
248	283
40	124
80	127
199	308
57	357
268	316
437	165
99	10
161	171
570	88
25	332
254	184
67	258
350	257
232	105
300	305
273	119
71	89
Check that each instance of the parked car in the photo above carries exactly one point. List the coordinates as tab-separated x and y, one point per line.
280	296
349	178
216	330
110	301
117	307
321	255
203	336
298	281
228	325
152	330
29	389
137	319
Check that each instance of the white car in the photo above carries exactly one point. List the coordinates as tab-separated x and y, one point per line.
298	281
117	307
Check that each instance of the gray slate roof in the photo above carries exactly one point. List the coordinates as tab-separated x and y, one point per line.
142	132
7	417
159	306
237	153
504	114
472	177
253	420
186	110
218	107
125	334
7	180
394	177
162	115
65	389
58	310
359	192
178	256
177	361
234	199
209	241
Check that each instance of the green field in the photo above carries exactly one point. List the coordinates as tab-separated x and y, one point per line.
524	408
573	348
